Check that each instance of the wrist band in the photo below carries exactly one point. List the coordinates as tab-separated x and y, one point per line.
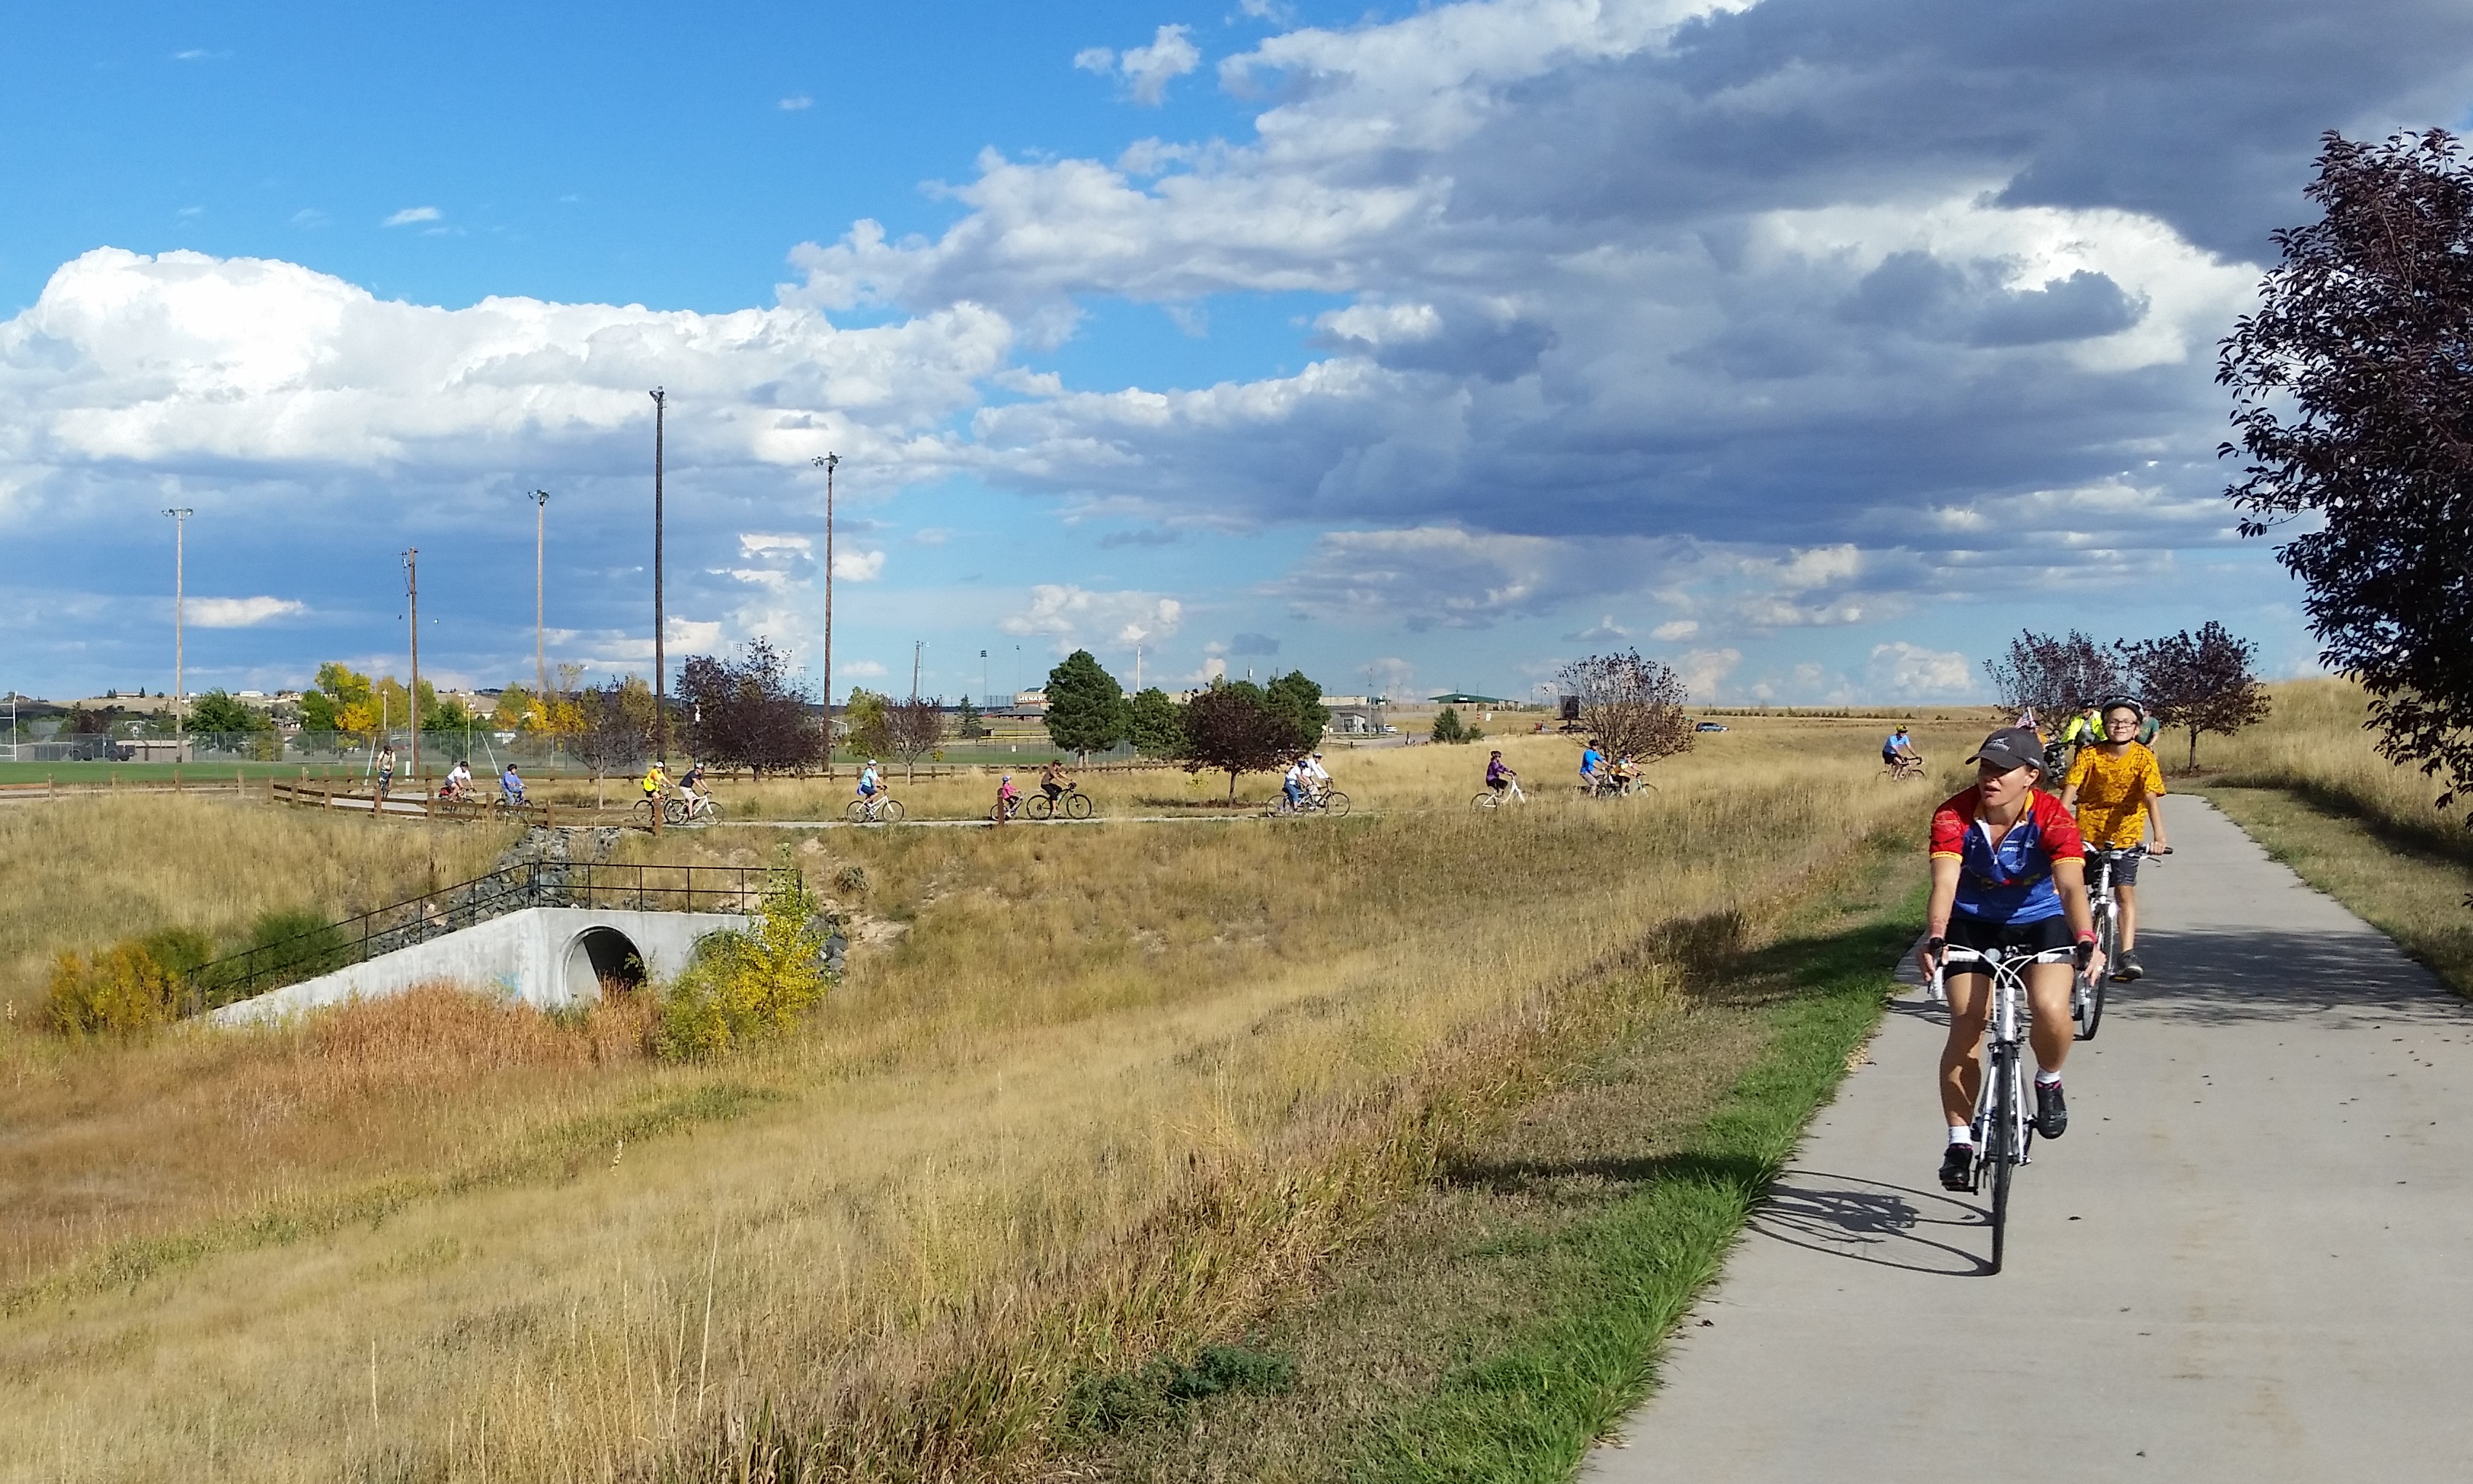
2086	937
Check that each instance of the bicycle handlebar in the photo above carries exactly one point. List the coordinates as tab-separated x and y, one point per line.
1953	953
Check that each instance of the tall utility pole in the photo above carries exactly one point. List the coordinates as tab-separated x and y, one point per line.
829	463
412	698
541	665
1138	668
917	646
983	677
660	665
179	577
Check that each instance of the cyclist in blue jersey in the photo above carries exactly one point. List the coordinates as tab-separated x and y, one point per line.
2008	871
1591	760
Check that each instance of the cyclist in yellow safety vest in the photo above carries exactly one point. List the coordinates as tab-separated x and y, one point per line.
656	781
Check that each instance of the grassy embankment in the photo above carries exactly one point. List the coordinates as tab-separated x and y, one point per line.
1090	1096
2309	785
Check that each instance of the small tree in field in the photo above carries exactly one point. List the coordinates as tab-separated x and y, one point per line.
1633	707
869	717
2353	394
1447	728
1231	729
1299	700
1153	726
2201	682
912	730
1086	706
2054	675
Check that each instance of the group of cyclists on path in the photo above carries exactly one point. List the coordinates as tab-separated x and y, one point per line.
2008	875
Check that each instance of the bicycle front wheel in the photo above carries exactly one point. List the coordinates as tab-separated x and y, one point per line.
891	813
2087	1000
2005	1143
1335	803
1077	805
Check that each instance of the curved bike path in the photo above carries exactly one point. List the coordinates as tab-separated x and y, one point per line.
2251	1257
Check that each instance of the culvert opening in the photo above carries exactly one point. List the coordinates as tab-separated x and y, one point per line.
601	962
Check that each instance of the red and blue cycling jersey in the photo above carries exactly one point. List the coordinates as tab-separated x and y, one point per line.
2008	881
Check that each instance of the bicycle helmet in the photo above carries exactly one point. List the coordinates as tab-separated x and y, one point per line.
2132	701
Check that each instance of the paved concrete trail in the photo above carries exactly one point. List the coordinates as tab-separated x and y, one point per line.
2250	1259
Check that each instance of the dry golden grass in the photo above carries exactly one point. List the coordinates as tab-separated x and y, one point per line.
1091	1092
2309	784
2313	744
78	874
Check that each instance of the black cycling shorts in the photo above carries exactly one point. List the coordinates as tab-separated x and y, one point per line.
2125	870
2040	936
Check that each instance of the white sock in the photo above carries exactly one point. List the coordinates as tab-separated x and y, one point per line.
1959	1134
2045	1079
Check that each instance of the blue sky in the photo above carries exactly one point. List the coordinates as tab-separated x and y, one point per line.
1813	346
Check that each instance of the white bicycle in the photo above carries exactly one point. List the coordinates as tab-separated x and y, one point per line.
2003	1128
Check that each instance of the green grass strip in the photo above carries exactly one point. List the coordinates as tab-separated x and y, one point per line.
1618	1283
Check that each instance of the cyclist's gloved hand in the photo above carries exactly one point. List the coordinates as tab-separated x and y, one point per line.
2085	953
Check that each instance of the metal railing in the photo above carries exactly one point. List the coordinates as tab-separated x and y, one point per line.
356	940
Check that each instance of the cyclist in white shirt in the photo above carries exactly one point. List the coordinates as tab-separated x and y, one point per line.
1317	777
1292	782
459	779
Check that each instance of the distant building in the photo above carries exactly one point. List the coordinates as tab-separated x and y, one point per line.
1460	698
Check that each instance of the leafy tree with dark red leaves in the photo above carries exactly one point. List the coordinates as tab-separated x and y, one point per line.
1232	728
1633	707
2201	682
2055	676
2353	397
751	713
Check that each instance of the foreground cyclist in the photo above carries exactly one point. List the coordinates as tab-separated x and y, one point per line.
2116	789
2008	871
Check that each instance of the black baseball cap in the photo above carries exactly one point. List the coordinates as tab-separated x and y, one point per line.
2012	747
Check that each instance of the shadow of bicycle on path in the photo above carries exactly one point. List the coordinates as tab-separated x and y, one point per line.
1867	1221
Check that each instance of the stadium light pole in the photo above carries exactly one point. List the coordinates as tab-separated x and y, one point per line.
660	667
540	662
829	463
180	578
412	696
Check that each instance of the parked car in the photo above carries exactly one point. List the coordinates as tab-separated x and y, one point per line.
1709	727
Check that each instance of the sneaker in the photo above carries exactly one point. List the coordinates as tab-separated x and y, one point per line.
2051	1111
1957	1168
2126	967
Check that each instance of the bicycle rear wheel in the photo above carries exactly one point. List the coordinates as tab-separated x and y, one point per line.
1486	801
1334	804
1077	807
2003	1143
1040	807
855	811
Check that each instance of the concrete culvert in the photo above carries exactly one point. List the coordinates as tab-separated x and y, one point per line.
601	958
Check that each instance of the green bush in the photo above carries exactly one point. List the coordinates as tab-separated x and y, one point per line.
750	984
284	944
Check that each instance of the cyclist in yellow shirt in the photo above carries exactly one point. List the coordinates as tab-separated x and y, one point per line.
656	782
2116	789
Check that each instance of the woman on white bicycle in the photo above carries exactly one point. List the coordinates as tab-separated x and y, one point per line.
2008	872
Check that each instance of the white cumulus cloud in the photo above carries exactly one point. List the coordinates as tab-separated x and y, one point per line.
1078	616
239	613
1147	70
